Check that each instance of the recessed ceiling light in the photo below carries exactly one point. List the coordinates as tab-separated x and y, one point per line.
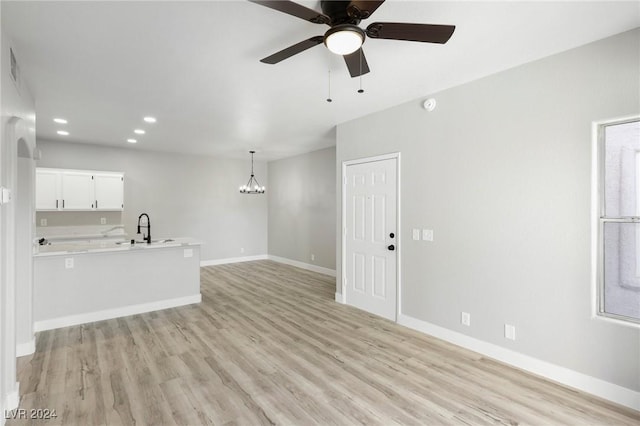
149	119
63	133
139	131
132	140
60	120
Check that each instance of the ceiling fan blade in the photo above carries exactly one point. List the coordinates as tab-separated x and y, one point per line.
295	9
413	32
357	63
292	50
362	9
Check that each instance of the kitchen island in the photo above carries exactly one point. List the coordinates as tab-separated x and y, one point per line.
76	283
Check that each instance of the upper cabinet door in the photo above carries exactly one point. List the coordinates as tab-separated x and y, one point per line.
77	191
47	190
109	191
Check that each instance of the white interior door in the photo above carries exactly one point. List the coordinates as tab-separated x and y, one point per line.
371	236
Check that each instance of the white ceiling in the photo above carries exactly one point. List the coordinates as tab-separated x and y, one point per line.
195	66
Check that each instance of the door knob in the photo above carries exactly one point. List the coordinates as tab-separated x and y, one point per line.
392	247
391	235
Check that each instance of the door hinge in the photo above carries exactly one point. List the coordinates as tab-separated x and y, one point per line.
344	180
344	230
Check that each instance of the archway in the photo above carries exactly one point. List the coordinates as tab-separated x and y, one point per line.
25	208
16	235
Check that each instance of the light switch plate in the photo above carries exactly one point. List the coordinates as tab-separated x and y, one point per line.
43	222
416	234
68	262
465	318
427	234
188	252
103	221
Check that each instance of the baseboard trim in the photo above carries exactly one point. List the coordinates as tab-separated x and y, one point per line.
302	265
124	311
27	348
339	298
556	373
214	262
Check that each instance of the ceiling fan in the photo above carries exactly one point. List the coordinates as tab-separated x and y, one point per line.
345	37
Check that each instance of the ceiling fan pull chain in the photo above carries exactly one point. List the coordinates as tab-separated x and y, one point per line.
361	90
329	98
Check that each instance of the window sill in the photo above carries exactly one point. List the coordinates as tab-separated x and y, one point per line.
617	321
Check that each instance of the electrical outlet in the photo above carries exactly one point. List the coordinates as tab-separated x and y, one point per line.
43	222
510	331
68	263
465	318
188	252
427	234
241	249
416	234
103	221
313	257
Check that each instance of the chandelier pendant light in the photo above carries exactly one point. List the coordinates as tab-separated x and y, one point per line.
252	186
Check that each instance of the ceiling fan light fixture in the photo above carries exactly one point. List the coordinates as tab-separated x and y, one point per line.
344	39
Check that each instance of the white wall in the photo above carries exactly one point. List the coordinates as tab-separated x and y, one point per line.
184	195
501	171
15	103
24	204
302	202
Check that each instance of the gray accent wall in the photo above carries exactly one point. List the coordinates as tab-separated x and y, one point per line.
185	196
302	205
501	171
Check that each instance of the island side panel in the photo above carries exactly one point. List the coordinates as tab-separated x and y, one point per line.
111	284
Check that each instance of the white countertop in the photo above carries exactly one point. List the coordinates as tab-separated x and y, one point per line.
61	249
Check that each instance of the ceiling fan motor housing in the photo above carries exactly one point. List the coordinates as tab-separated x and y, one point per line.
341	13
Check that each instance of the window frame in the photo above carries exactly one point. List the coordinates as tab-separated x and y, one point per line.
599	219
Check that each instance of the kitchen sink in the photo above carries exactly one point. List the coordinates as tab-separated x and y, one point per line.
168	240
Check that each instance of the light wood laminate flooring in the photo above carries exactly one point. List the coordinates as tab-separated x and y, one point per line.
269	345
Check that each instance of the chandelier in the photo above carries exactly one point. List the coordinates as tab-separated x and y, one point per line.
252	187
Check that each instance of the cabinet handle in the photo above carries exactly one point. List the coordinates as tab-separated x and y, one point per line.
96	204
63	204
56	204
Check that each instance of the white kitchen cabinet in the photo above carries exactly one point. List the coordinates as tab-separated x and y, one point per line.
109	191
78	190
47	189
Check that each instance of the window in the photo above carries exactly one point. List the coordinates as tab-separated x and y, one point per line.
618	241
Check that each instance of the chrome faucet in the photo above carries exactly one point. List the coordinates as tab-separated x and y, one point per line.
148	237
